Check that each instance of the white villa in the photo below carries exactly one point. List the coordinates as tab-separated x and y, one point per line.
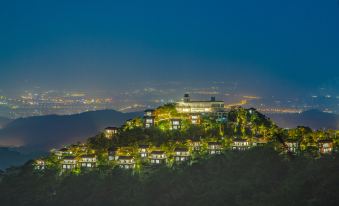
158	157
88	161
195	119
110	132
241	144
325	146
149	119
126	162
292	146
69	163
181	154
143	151
214	148
39	164
175	124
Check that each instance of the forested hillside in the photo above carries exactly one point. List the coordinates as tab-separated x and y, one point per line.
255	177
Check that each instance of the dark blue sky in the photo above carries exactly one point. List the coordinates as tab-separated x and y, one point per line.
266	45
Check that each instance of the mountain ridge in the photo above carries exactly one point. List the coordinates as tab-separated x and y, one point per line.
45	132
314	119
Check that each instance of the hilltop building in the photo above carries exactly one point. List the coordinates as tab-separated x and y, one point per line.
197	106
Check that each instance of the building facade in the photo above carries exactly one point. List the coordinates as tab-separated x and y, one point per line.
143	151
196	106
214	148
126	162
111	132
158	157
149	119
69	163
181	154
88	161
325	146
241	144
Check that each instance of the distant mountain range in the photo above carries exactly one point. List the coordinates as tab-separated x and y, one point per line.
14	157
314	119
4	121
45	132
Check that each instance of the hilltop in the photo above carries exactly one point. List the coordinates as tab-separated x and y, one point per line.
166	157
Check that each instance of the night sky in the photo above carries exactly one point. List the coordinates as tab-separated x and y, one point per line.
267	45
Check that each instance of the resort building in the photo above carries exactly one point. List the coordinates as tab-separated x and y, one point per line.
196	145
39	164
158	157
113	154
214	148
126	162
192	106
88	161
149	113
82	148
149	119
63	152
111	132
292	146
181	154
69	163
240	144
143	151
259	142
175	124
325	146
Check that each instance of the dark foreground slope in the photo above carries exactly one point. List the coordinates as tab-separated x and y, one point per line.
256	177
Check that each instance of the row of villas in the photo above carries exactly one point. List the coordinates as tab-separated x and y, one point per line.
324	146
157	156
